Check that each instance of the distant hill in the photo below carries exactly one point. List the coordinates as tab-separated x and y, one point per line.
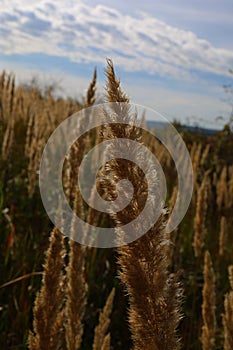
205	131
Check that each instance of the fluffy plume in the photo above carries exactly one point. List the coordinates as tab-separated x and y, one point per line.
48	314
101	339
153	313
208	306
228	316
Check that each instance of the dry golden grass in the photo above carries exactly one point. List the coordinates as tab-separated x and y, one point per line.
208	305
228	315
152	270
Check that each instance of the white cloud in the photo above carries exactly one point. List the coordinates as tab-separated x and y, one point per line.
185	106
188	107
65	84
90	34
85	33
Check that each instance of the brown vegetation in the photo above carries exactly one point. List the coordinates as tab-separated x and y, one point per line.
175	285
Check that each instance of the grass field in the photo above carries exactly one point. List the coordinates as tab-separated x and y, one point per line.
74	282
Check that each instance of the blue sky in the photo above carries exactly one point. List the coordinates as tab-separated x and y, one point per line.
173	56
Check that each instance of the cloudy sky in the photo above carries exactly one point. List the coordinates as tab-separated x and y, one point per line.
173	56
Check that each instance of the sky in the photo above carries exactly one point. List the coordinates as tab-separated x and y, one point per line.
172	56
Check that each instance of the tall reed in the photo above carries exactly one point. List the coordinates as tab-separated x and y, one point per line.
208	306
154	295
228	315
48	314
